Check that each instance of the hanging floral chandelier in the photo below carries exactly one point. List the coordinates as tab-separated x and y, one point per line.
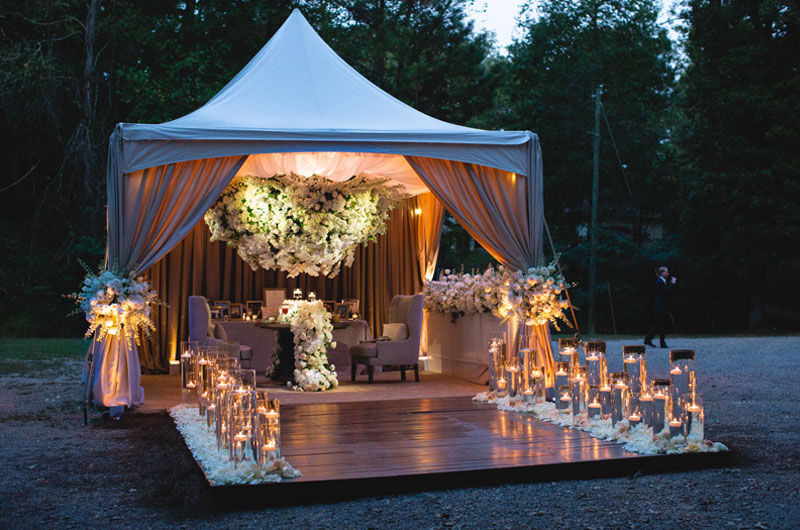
302	224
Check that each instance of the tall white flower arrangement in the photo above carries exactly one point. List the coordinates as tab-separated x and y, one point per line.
302	224
116	304
535	295
313	336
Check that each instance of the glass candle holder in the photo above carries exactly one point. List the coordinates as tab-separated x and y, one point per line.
312	296
675	428
496	362
646	407
514	378
221	408
594	364
266	437
189	379
562	374
694	417
241	409
661	403
538	384
620	394
681	373
564	400
605	400
568	351
595	409
527	358
297	294
580	389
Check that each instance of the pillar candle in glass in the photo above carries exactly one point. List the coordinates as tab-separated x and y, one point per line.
594	364
564	400
646	406
312	296
562	374
675	428
514	378
580	390
694	417
496	360
568	351
620	394
632	356
297	294
221	411
605	400
189	377
266	438
681	366
661	400
595	409
537	384
241	411
527	358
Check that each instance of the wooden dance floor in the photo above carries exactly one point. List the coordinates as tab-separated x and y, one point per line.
352	449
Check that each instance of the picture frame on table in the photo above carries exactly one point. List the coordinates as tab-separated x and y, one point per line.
215	313
236	311
352	306
341	310
224	308
273	300
253	308
330	306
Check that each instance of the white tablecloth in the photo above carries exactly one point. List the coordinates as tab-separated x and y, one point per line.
263	340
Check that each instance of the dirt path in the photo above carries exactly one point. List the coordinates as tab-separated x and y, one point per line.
136	473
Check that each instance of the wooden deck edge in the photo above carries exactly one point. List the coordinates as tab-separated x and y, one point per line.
226	498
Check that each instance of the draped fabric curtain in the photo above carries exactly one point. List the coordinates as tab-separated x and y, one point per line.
501	210
149	212
197	266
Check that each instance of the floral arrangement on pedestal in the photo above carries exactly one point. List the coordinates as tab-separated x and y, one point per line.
313	336
534	295
302	225
116	304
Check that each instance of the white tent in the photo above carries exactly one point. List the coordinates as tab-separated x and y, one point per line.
297	106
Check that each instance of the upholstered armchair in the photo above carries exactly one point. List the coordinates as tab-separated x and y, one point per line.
207	333
399	344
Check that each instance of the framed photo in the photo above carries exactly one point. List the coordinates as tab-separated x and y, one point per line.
352	306
224	307
273	299
215	313
253	308
341	309
330	306
236	311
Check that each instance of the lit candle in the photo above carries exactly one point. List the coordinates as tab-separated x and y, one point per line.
595	409
605	399
675	371
566	404
646	406
527	396
190	384
240	437
634	420
501	384
675	428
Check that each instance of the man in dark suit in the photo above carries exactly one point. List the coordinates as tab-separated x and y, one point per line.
664	286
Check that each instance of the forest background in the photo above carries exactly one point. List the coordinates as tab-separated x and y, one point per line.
699	160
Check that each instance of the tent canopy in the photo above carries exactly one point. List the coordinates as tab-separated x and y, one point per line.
298	95
299	107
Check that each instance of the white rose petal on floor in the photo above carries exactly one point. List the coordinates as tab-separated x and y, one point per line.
637	440
218	469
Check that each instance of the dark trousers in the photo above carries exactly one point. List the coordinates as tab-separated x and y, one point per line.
659	328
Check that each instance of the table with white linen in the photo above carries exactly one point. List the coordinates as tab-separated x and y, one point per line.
264	340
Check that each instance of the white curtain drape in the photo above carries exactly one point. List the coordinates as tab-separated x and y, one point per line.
150	211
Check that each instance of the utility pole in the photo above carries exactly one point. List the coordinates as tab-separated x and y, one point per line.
595	194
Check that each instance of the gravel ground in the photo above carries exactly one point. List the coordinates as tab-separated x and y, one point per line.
136	473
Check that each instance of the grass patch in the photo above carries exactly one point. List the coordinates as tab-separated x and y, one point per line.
41	357
43	349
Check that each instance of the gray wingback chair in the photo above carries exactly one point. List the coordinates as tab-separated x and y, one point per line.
404	330
202	330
